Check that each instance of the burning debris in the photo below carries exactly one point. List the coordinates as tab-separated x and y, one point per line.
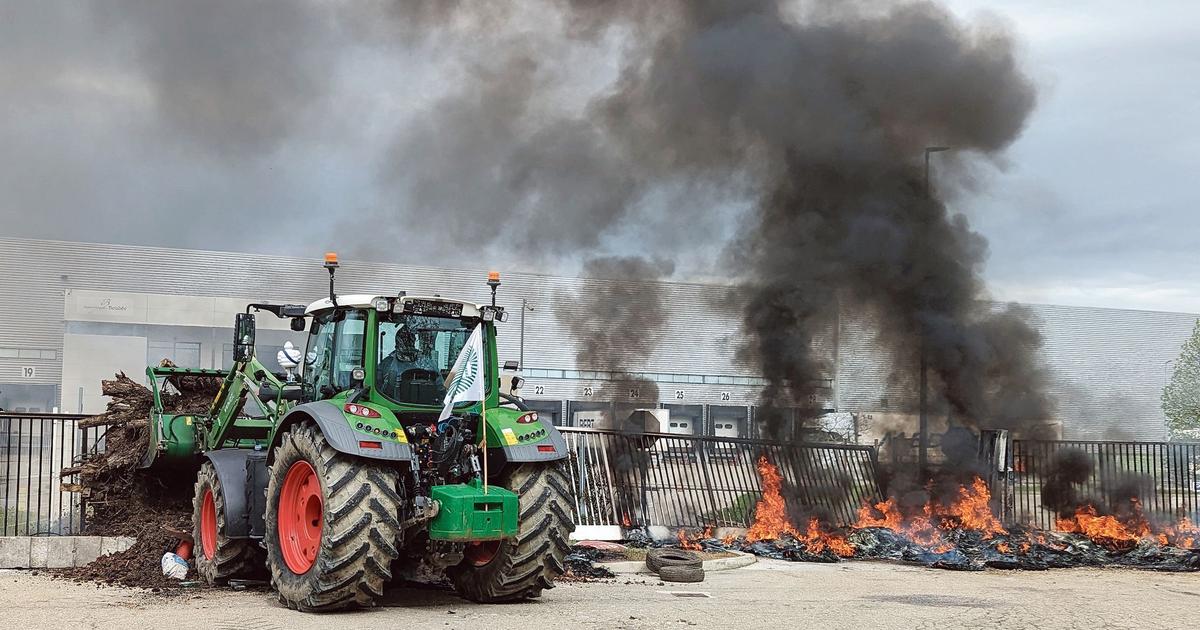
960	531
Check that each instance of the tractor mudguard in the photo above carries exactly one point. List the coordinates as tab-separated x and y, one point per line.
343	437
537	452
243	476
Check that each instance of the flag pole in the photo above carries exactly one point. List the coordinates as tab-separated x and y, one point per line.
483	414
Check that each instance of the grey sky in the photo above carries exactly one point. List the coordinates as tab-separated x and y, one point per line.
126	126
1099	205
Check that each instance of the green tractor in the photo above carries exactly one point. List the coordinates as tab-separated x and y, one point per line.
334	479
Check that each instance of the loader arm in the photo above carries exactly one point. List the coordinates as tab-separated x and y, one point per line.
228	426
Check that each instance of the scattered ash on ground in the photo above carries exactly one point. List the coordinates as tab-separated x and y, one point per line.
581	565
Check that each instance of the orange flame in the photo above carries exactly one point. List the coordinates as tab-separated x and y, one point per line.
1182	534
971	510
817	540
1124	531
692	542
1107	530
771	520
770	515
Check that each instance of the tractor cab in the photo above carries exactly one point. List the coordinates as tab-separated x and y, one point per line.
397	352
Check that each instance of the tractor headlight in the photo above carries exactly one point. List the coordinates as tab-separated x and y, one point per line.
488	314
380	304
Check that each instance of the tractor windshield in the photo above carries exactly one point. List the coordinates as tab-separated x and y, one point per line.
416	353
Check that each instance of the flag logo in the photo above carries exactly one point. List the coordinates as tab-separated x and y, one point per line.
466	384
465	379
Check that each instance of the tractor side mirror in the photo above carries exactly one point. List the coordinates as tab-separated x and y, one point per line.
243	337
298	324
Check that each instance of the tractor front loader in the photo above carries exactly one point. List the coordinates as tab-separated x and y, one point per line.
331	480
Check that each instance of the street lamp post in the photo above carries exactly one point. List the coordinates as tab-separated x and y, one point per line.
923	450
521	353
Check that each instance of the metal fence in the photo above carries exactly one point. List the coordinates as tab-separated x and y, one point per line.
1163	475
692	481
617	479
34	448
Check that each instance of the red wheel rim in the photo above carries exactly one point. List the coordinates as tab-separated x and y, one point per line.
481	553
300	510
208	524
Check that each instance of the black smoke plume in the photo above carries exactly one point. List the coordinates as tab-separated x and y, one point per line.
1072	481
812	119
1065	473
616	318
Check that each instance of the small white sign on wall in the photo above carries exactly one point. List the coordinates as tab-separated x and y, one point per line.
28	371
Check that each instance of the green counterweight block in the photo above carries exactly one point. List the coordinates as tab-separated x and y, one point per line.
467	513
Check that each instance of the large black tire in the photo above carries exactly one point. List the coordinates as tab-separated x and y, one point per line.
361	504
524	566
658	558
230	557
681	573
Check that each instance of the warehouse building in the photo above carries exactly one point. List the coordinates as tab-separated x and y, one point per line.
77	312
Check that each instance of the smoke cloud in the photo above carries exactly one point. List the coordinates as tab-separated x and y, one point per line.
616	323
781	144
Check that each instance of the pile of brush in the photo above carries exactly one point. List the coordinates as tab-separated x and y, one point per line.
123	500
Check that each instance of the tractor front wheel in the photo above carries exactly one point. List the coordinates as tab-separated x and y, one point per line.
218	557
519	568
332	524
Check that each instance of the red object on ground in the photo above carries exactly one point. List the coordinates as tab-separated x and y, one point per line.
301	507
184	550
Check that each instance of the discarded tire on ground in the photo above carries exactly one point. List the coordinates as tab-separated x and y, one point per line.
678	573
656	559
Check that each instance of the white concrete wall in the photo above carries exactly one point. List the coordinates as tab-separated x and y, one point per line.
87	359
160	310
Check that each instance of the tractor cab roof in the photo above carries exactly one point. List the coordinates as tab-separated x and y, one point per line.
469	309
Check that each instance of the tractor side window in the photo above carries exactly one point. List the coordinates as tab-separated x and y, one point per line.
348	347
319	357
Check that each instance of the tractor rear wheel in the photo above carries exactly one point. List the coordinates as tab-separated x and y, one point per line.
218	557
521	567
332	524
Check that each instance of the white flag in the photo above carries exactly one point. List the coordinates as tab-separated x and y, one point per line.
467	384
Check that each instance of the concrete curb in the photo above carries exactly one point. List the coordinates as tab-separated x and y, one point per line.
57	552
718	564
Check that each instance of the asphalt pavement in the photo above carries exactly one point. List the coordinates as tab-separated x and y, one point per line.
768	594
